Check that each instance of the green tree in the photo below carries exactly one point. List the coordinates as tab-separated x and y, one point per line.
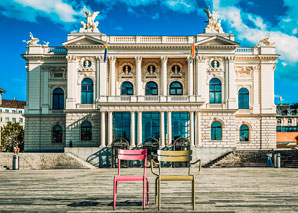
12	134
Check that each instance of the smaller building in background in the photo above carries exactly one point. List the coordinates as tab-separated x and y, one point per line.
287	125
11	110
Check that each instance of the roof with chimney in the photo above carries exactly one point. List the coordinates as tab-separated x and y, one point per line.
13	104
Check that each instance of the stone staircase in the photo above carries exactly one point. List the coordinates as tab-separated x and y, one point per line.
289	158
218	161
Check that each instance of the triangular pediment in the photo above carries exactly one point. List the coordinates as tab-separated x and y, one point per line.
216	41
83	40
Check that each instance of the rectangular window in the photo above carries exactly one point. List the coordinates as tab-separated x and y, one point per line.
14	120
7	111
58	74
6	120
20	111
14	111
20	120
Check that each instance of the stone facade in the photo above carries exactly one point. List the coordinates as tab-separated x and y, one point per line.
136	61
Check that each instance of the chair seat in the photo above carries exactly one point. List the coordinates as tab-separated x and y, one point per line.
177	178
130	178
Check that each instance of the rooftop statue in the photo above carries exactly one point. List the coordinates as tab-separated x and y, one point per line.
214	25
266	42
33	41
289	111
90	25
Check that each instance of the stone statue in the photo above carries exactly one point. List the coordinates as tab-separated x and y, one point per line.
266	42
297	111
289	111
278	111
90	25
33	41
214	25
46	44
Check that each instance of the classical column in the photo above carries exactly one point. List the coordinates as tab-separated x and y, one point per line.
169	120
162	129
198	129
112	75
140	140
138	75
256	102
102	69
190	76
164	89
110	128
201	77
102	130
192	128
232	78
45	102
132	129
71	81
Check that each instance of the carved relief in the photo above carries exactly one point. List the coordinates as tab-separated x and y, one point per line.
176	70
151	70
87	64
126	70
244	72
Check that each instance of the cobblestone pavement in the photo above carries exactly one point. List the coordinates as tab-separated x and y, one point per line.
217	190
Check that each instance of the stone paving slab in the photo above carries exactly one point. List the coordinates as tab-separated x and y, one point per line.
217	190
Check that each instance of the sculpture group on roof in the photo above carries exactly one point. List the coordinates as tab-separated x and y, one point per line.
214	25
33	41
90	25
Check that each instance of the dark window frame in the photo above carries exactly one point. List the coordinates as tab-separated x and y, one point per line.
57	134
58	99
176	90
215	91
151	90
86	131
87	91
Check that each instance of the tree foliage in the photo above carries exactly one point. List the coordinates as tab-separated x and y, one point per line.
12	134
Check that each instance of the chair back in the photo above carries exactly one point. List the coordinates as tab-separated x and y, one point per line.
140	154
174	156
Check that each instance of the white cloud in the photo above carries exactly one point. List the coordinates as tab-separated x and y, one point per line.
58	11
156	16
284	64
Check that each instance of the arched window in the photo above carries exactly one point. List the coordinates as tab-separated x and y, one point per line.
176	69
57	134
126	88
243	99
216	133
176	88
215	91
151	88
86	131
87	91
244	133
58	98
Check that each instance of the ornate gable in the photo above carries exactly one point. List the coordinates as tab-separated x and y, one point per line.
84	40
216	41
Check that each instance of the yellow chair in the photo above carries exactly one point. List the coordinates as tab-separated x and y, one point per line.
173	156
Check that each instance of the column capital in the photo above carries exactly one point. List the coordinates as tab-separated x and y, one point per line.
201	59
71	58
138	59
230	58
100	59
188	59
112	59
164	59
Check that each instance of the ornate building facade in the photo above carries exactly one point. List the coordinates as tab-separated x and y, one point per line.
150	86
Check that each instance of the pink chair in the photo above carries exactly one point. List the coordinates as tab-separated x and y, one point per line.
132	155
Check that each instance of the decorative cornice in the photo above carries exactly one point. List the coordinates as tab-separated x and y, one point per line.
71	58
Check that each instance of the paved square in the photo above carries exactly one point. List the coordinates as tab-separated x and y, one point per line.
217	190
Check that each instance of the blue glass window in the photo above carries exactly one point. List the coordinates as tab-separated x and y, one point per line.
151	88
244	133
86	131
216	133
126	88
215	91
58	98
150	125
243	99
87	91
176	88
121	125
180	125
57	134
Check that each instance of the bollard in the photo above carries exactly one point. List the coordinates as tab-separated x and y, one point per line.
277	160
274	161
15	162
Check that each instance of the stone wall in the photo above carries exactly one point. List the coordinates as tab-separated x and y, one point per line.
38	133
73	129
41	161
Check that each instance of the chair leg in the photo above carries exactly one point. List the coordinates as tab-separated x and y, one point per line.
156	191
143	193
159	192
193	194
114	195
147	192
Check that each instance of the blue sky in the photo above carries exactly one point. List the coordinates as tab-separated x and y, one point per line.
51	20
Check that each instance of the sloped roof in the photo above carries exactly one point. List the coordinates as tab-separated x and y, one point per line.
2	90
13	104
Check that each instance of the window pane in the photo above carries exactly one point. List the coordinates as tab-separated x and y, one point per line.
90	97
213	133
218	98
218	133
211	97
